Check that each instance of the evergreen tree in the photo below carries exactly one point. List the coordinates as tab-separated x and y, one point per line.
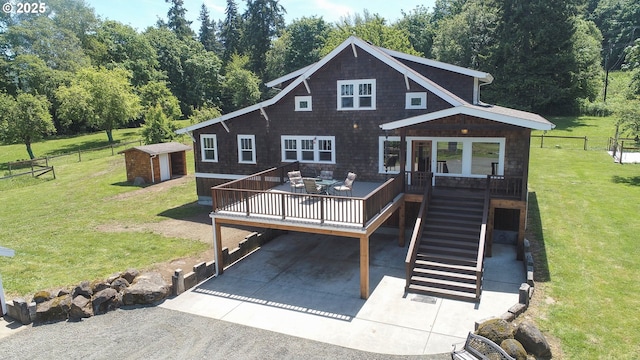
176	20
263	21
207	34
533	58
230	31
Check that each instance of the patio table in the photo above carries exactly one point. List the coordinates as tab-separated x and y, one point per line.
326	184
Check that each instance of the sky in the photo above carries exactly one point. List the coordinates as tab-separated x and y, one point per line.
143	13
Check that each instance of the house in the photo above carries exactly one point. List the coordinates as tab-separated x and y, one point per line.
156	162
414	125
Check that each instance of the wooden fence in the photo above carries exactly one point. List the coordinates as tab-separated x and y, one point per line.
583	139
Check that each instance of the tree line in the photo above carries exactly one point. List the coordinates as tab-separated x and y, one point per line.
67	71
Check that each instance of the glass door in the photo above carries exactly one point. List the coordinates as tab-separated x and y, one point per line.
421	156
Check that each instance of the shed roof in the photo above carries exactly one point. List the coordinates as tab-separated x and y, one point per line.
157	149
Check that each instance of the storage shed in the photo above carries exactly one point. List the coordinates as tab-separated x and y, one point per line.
156	162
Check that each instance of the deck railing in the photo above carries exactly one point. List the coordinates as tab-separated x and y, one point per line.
251	196
416	236
481	243
506	186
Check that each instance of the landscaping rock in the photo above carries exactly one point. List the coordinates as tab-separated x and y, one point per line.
147	288
42	296
98	286
514	348
119	284
532	339
56	309
496	330
105	300
81	307
113	277
138	181
83	289
130	274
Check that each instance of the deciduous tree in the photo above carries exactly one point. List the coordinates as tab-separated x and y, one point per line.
27	119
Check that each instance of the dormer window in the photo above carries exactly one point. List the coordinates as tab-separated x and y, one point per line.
357	94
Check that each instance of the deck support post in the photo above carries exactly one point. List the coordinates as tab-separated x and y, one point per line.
402	219
364	266
217	245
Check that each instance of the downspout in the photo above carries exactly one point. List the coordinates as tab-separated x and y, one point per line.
215	243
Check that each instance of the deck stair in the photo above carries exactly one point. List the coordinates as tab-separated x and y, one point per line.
447	256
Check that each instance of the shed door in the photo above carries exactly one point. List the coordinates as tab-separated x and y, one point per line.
165	169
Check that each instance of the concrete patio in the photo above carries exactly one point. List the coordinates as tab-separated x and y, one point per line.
306	285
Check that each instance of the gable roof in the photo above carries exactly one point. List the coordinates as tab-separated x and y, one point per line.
391	58
158	149
490	112
304	73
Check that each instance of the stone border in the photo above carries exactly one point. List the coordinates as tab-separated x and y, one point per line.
525	292
27	312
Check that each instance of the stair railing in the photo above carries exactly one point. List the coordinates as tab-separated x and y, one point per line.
416	236
482	240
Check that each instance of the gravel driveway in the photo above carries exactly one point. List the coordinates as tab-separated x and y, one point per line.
157	333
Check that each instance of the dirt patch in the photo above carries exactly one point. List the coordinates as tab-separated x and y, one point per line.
197	227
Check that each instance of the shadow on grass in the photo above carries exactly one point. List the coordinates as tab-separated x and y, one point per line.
536	237
191	212
130	184
629	180
85	146
568	123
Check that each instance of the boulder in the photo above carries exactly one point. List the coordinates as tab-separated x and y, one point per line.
98	286
119	284
83	289
147	288
532	339
81	307
130	274
56	309
113	277
105	300
138	181
496	330
514	349
42	296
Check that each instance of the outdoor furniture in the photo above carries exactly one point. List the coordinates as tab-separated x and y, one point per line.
347	186
479	347
326	175
311	187
295	180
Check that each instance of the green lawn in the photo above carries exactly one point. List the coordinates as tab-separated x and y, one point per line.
587	220
51	224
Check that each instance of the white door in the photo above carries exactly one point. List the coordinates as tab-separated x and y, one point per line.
165	173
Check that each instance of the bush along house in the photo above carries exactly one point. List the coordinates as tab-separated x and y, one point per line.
413	133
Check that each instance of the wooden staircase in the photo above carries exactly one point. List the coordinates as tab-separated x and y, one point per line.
446	260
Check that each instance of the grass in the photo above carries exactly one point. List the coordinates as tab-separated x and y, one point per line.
51	224
587	220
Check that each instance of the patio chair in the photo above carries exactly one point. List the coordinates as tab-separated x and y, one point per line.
347	186
295	180
312	188
326	174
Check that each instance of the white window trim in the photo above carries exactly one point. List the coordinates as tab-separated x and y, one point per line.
356	99
300	99
381	140
316	150
413	95
215	147
253	149
467	153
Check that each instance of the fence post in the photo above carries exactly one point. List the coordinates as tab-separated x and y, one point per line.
585	143
79	157
32	172
541	141
111	149
621	151
9	169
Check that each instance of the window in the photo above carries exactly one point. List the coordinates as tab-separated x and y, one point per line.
389	154
485	158
209	147
303	103
247	149
450	157
357	94
309	149
416	100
